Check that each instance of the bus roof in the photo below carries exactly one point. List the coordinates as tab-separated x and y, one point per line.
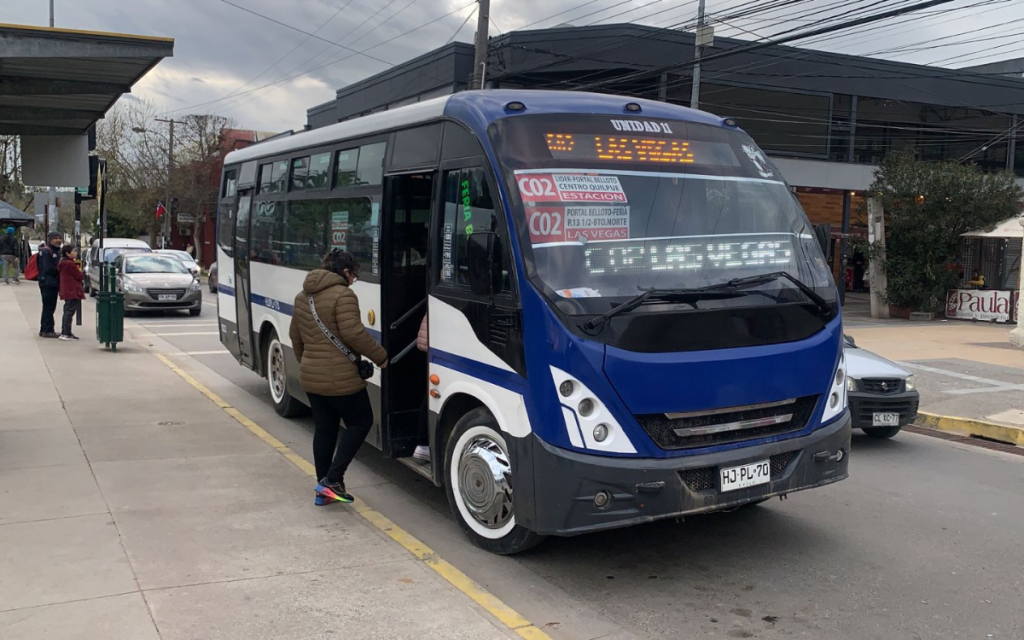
478	108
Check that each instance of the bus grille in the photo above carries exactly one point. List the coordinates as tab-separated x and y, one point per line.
706	478
724	426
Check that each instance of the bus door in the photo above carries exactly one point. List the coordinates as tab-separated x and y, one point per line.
242	284
406	223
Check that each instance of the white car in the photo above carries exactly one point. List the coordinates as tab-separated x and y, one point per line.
883	396
186	259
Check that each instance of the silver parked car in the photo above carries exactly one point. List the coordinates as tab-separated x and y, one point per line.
154	282
883	396
185	257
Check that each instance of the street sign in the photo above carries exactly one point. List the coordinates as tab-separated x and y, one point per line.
185	218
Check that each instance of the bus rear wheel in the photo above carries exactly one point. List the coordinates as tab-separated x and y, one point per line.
277	379
478	481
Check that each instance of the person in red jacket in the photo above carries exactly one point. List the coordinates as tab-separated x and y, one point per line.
71	290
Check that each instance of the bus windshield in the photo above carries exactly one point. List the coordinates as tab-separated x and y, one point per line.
608	207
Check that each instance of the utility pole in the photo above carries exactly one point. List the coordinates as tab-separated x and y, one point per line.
170	168
698	45
483	13
51	13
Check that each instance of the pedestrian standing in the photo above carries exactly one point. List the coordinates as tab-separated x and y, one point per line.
330	341
72	292
49	282
10	253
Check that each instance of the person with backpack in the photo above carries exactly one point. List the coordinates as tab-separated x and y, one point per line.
72	292
10	252
329	341
49	282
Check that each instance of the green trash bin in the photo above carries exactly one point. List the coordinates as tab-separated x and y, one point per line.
109	310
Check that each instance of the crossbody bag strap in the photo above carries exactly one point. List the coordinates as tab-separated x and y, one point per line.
330	336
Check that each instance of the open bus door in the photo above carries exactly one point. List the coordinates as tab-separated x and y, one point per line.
242	281
403	278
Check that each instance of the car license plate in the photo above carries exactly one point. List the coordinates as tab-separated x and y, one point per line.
885	420
167	297
747	475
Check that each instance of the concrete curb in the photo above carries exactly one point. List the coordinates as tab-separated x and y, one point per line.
972	427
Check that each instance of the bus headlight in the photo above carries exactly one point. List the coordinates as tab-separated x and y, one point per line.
835	401
588	422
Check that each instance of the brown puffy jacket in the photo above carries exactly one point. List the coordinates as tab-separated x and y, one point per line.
323	368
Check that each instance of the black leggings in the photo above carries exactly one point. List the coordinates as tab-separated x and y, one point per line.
328	412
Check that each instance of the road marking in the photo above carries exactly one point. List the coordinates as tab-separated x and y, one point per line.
201	353
478	594
954	374
188	333
1007	387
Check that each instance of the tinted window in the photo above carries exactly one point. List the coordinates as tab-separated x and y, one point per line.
300	171
279	176
266	185
459	143
371	164
360	167
345	168
226	225
247	174
318	171
298	233
417	147
230	183
468	208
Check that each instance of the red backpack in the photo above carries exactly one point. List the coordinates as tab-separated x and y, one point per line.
32	268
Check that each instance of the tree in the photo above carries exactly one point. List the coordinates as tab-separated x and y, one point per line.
199	143
927	207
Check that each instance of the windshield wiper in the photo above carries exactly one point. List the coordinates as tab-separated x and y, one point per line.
750	281
650	295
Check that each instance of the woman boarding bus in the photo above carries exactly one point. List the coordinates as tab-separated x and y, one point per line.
630	315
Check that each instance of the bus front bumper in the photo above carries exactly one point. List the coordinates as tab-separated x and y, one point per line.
566	484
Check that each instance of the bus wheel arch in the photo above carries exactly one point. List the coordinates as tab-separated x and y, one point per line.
478	483
274	367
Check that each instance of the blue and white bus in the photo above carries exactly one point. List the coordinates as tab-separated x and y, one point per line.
630	317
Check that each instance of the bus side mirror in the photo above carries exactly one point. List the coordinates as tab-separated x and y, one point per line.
485	266
824	235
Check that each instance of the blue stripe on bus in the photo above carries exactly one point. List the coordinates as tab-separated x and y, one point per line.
271	303
226	290
488	373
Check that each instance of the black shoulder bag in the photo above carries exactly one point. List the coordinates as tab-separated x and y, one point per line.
365	367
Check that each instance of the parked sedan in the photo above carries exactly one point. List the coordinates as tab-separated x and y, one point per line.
155	282
185	257
883	396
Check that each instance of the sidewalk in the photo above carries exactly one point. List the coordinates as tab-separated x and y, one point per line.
133	507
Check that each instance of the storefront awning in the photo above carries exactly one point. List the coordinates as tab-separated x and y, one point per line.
1006	229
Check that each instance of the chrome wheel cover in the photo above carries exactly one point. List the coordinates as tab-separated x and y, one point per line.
276	374
485	482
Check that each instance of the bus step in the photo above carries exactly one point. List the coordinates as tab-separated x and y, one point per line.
419	466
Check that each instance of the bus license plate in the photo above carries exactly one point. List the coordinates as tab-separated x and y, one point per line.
747	475
885	420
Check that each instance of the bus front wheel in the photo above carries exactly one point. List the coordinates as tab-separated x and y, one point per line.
277	379
478	475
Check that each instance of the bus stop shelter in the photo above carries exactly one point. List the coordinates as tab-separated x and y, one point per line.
56	83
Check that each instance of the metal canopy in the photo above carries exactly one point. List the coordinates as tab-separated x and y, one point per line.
61	81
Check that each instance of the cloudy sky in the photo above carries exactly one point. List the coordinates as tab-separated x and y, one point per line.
265	76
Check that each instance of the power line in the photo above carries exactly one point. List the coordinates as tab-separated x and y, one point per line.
312	35
461	26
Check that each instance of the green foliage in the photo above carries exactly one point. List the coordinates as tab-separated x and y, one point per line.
927	207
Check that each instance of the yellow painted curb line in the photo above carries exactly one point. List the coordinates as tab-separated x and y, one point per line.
504	613
972	427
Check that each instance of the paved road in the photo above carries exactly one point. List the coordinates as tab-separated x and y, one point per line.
923	541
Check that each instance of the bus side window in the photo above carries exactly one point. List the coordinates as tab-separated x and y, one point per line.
468	208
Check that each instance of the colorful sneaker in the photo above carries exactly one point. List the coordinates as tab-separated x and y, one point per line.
333	491
321	500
